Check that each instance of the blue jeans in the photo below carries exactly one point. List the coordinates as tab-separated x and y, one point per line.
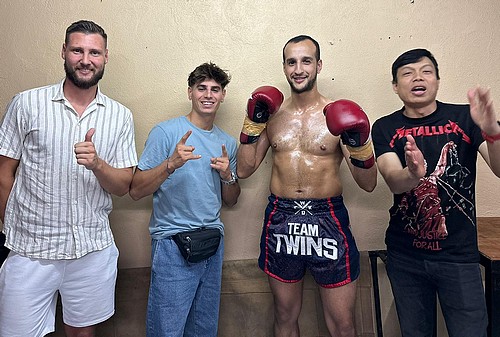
459	287
184	297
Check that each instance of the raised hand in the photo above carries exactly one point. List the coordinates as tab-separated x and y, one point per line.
482	110
221	164
182	153
415	161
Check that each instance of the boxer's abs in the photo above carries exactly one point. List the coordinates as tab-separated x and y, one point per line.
305	176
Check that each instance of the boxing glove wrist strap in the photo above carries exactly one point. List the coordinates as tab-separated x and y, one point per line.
490	139
252	128
363	152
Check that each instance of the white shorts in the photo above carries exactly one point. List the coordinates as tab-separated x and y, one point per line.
29	288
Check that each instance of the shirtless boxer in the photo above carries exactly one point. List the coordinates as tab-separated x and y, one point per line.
306	224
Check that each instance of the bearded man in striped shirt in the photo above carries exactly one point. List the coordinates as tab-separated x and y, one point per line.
64	150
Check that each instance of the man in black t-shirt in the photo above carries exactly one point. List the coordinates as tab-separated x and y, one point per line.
427	153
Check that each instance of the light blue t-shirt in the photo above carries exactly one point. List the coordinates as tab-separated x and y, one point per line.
191	197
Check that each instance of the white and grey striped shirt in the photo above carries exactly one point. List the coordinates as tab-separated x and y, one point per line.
57	208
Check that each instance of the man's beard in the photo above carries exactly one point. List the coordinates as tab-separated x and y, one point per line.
308	87
82	84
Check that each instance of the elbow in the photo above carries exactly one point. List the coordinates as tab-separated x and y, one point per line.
367	180
240	173
231	201
134	194
122	190
122	193
243	174
124	184
396	190
135	198
245	170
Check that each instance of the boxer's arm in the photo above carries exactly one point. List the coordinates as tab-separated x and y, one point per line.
250	156
263	102
347	119
366	178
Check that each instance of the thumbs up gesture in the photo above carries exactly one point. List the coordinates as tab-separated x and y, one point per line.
85	152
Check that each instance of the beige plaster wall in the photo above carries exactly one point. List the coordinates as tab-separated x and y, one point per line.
154	44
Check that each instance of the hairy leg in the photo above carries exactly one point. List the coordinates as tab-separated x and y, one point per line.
338	308
287	306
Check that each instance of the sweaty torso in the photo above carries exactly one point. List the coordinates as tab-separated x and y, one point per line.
306	157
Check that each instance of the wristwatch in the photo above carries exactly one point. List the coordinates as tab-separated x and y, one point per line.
231	181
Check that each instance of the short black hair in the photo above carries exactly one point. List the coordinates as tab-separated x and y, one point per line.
300	38
412	56
87	27
209	71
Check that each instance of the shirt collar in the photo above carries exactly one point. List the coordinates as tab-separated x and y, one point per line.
59	95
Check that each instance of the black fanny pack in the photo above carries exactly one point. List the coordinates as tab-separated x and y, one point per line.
199	244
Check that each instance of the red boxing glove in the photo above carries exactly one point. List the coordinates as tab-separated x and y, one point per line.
263	102
347	119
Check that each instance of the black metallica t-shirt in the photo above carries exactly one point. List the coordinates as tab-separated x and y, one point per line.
437	218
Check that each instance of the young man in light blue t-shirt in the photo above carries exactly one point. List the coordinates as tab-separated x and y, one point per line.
189	166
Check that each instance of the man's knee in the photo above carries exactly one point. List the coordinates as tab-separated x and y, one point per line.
72	331
342	325
286	313
347	330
